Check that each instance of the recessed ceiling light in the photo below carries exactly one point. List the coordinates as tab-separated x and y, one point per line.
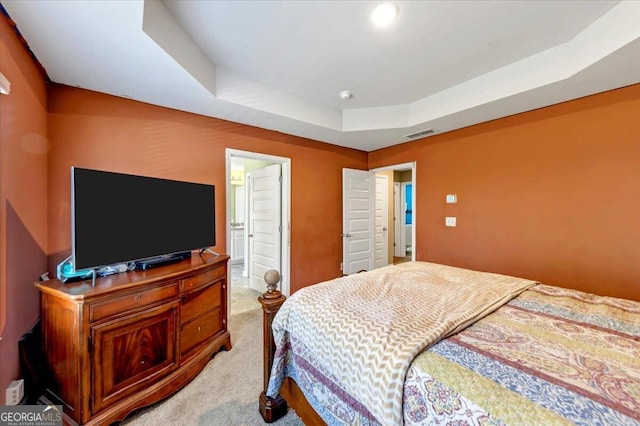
345	95
384	14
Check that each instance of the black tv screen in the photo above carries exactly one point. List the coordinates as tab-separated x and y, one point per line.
118	218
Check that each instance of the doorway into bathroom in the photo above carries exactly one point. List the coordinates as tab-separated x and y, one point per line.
258	206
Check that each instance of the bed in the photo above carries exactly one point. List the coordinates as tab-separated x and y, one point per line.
422	343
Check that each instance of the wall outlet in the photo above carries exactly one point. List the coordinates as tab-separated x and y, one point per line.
449	221
15	392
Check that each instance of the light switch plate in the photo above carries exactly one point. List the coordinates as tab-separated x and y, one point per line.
449	221
452	198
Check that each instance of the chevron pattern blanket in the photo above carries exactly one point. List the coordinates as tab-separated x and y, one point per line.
363	331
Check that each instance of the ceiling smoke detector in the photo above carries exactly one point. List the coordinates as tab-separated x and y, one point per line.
345	95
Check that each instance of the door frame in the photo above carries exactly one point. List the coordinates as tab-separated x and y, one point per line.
285	249
404	166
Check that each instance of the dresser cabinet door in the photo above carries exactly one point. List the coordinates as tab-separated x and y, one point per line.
132	352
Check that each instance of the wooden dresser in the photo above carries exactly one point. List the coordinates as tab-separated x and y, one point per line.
134	338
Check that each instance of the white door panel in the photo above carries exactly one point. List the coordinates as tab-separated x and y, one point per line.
360	265
358	192
398	222
264	224
382	222
359	246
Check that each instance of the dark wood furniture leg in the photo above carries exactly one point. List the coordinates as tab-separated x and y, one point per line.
271	409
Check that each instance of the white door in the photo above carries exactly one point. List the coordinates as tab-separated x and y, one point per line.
247	190
382	222
398	222
264	224
358	201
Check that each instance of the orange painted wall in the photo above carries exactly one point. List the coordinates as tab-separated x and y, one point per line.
552	194
23	197
93	130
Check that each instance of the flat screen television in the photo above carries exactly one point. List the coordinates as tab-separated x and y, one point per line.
121	218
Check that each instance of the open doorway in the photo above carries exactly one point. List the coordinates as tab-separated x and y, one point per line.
403	220
402	207
258	206
377	229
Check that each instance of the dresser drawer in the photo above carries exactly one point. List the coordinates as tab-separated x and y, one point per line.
123	304
199	280
199	302
200	330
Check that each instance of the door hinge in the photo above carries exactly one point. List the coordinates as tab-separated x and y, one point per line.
90	345
280	178
280	228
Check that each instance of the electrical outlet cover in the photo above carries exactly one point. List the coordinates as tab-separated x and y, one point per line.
15	392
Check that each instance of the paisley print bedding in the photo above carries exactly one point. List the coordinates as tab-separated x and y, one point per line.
551	356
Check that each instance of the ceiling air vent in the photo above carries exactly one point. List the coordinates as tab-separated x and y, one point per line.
421	134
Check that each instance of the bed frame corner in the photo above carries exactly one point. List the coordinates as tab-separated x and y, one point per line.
271	409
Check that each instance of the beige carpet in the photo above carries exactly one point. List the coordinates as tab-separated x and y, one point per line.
226	391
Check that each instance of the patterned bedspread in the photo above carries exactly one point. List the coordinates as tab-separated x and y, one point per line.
349	342
551	356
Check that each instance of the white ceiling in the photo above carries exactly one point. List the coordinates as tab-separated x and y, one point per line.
280	64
